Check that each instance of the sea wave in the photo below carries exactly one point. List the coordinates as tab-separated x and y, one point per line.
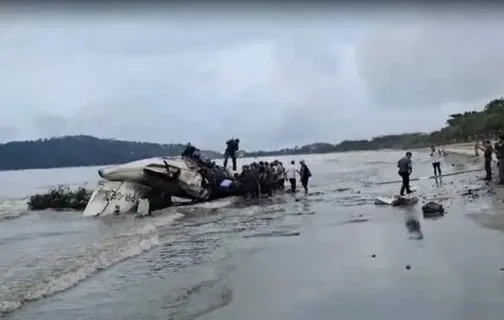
12	208
66	271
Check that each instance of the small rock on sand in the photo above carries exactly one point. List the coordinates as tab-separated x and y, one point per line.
408	267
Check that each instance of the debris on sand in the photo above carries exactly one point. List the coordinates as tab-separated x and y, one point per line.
408	267
396	201
470	190
470	193
432	209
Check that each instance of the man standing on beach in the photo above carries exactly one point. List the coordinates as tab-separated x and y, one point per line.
405	169
436	161
499	151
488	151
304	174
290	174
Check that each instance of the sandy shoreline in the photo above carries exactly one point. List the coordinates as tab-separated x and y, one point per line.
332	254
462	149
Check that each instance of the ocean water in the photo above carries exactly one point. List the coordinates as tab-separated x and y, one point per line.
332	254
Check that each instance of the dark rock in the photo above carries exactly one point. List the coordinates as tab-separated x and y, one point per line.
432	209
404	201
408	267
373	256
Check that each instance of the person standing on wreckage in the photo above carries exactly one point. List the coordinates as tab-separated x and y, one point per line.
231	149
405	169
189	150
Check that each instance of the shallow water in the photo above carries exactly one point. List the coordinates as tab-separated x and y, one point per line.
331	254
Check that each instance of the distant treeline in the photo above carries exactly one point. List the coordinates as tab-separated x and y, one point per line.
73	151
460	127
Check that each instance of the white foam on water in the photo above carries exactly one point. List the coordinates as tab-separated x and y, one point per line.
66	270
12	208
59	271
151	224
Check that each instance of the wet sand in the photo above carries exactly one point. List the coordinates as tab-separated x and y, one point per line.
330	255
378	265
330	271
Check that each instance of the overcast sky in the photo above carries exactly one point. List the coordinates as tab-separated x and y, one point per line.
273	80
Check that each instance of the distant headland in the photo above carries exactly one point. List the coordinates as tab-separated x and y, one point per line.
83	150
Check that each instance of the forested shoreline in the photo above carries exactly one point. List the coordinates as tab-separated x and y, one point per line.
83	150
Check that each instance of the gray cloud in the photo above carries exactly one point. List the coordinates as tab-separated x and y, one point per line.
7	133
424	65
50	125
273	82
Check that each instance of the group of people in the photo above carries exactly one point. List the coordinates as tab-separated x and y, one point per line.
266	178
488	151
255	179
405	167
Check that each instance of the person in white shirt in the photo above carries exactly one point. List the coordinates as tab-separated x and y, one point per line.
436	161
290	174
280	176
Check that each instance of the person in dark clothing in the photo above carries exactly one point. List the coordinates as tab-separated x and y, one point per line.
304	175
268	179
405	169
487	152
231	149
499	151
189	150
254	172
249	185
195	154
262	177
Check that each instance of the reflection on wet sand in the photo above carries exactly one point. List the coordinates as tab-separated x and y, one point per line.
413	226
